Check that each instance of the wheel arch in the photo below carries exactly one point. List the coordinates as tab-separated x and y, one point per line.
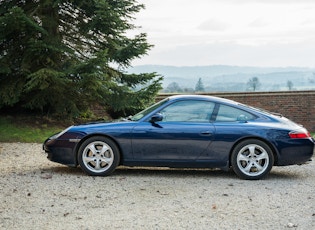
270	145
95	135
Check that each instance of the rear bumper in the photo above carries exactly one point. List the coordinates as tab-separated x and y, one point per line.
296	155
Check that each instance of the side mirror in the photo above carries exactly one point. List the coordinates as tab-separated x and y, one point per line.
156	117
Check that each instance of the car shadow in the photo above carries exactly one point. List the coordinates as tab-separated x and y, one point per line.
148	172
123	171
283	176
66	170
172	172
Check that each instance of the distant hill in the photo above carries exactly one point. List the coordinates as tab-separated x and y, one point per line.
232	78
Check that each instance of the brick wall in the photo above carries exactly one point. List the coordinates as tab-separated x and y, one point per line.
298	106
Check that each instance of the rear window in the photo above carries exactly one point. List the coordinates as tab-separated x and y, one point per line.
231	114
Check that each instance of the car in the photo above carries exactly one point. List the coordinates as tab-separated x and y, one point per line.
186	131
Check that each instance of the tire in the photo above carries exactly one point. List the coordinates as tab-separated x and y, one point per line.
252	159
98	156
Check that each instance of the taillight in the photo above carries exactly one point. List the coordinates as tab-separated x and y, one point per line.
299	135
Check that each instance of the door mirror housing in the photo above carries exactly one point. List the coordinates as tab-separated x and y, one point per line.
156	117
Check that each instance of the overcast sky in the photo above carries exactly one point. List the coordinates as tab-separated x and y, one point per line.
273	33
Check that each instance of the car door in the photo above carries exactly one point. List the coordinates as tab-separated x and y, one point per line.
231	124
184	133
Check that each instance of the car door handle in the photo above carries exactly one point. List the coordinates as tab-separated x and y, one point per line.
206	133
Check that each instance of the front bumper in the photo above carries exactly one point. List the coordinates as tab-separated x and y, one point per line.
61	151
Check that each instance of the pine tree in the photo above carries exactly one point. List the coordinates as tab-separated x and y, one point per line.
199	86
290	85
62	56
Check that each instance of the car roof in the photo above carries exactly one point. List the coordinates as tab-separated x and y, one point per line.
219	100
203	97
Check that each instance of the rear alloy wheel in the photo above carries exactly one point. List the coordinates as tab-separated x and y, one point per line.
252	159
98	156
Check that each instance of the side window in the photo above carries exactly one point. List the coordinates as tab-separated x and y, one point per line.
188	111
228	114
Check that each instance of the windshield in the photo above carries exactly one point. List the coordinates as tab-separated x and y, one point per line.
143	113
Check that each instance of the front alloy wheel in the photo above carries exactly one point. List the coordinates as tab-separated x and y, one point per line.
252	159
98	156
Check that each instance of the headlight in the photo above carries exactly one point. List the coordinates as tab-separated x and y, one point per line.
57	135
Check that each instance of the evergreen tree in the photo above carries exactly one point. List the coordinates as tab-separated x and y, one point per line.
199	86
62	56
290	85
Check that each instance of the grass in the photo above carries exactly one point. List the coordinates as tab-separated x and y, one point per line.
27	129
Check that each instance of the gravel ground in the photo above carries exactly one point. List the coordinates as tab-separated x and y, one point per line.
38	194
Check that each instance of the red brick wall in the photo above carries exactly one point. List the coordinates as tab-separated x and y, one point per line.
298	106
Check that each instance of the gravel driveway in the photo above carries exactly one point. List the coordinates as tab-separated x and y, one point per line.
38	194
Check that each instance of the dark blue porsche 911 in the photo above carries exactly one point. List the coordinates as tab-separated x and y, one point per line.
186	131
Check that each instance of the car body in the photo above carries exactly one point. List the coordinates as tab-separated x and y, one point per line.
186	131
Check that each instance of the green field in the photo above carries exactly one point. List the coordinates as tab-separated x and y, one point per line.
25	129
